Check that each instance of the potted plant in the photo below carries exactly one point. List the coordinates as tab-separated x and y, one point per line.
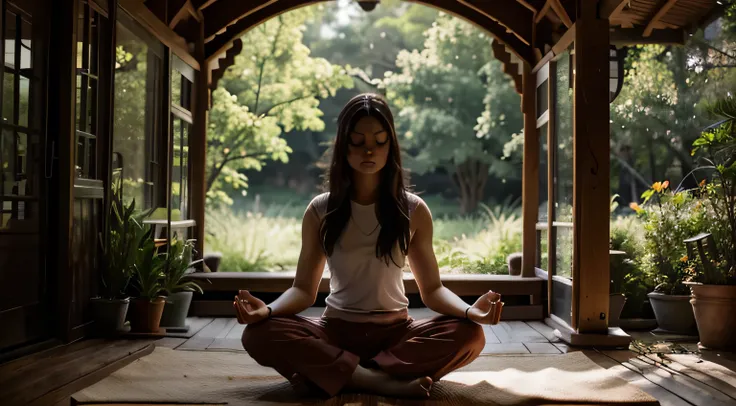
148	276
669	217
712	270
118	257
178	292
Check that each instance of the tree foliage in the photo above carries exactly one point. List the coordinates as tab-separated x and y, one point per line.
274	87
456	109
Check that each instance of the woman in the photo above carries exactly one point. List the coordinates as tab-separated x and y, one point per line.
364	228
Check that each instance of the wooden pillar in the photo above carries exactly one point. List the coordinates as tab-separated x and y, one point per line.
530	174
61	134
591	172
198	145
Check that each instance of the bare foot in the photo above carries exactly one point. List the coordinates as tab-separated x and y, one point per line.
381	383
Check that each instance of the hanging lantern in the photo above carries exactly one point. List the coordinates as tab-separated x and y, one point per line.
616	59
368	5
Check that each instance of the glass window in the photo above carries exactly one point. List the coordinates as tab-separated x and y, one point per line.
542	216
181	117
137	103
563	165
88	28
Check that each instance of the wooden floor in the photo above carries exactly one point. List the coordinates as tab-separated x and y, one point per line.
671	382
673	372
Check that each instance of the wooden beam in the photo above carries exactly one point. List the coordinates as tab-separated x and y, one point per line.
591	168
557	7
185	12
223	13
198	143
530	174
221	42
202	4
634	36
162	31
543	12
660	13
527	5
609	9
512	15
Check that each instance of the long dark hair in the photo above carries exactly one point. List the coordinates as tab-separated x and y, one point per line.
392	204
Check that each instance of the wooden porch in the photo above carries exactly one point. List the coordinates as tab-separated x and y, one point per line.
674	373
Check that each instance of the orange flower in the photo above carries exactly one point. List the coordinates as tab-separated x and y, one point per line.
635	206
702	183
657	186
684	259
665	184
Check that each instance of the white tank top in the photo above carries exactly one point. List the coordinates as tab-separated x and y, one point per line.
364	288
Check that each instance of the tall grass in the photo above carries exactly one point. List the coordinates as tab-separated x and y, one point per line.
251	242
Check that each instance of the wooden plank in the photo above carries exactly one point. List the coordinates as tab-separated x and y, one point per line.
591	138
545	330
223	13
50	379
560	11
691	365
226	344
683	386
505	348
170	342
658	16
206	336
198	142
609	9
543	12
542	348
634	36
530	175
221	337
665	397
517	332
491	337
236	332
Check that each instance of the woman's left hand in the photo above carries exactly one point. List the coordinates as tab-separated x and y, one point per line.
487	309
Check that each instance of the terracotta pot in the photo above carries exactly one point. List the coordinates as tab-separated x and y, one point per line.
145	314
673	312
715	313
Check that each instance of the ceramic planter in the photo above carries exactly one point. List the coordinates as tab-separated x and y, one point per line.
715	313
109	315
616	304
176	309
145	314
674	313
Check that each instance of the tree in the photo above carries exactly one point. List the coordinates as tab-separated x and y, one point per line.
456	108
274	87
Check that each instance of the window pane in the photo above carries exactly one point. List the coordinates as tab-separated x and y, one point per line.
543	198
10	36
176	87
24	105
542	98
14	153
134	116
9	98
563	168
26	61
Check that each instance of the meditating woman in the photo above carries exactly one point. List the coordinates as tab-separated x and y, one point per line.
365	228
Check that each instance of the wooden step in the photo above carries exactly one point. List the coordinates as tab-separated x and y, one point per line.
53	375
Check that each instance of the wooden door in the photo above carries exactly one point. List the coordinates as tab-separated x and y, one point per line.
23	177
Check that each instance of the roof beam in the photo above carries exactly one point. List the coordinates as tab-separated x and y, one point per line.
223	13
270	8
543	12
185	11
635	36
560	11
655	20
609	9
201	4
511	14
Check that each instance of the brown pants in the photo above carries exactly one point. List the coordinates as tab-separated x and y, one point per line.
326	351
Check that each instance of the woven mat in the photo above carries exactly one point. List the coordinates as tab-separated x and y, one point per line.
207	377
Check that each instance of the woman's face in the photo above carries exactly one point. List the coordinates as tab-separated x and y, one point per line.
368	146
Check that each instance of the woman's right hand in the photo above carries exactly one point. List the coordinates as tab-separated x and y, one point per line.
249	309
